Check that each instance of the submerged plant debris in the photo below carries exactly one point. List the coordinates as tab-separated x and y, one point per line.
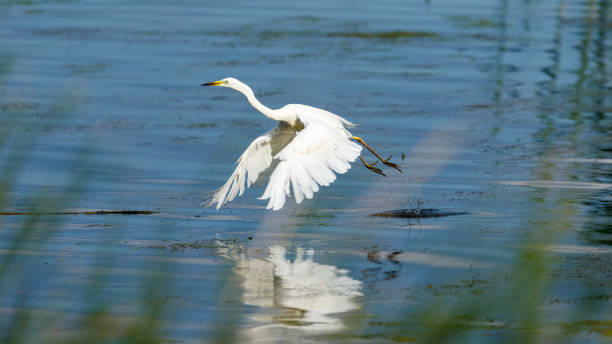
385	34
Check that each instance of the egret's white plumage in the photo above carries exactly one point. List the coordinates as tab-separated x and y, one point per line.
305	151
311	158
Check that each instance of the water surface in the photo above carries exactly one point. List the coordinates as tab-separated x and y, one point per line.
502	110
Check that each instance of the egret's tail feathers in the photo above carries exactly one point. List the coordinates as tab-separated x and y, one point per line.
347	123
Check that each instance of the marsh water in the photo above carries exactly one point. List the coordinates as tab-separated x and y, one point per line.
498	111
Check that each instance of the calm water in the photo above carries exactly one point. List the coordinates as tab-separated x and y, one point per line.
502	110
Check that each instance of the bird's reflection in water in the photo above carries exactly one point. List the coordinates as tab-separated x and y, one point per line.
303	294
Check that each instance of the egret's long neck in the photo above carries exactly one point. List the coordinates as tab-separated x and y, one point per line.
276	115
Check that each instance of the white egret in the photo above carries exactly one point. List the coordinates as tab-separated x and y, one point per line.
302	152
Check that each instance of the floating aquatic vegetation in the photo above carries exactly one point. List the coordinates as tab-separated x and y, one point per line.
385	34
201	125
474	22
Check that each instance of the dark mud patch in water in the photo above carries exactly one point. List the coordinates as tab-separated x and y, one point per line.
418	213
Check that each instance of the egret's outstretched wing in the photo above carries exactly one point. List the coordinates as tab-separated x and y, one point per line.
310	159
256	159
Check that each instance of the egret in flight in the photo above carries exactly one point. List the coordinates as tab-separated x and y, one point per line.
301	153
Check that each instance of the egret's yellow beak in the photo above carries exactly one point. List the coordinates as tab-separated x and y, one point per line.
215	83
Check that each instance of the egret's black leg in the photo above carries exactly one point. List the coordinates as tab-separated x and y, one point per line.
371	166
384	161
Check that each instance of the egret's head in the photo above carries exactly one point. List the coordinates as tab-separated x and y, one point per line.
227	82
